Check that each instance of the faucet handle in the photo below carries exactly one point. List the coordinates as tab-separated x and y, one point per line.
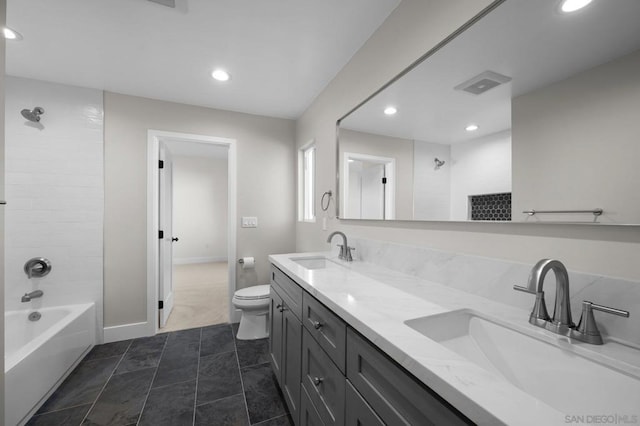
347	255
341	255
587	329
524	289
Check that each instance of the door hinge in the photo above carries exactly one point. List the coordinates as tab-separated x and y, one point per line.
160	304
160	234
384	180
161	164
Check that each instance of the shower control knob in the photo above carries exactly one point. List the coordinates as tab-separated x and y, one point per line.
174	239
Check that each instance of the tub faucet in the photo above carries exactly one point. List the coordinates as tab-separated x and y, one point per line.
33	295
345	250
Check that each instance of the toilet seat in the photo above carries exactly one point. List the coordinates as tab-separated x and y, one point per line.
257	292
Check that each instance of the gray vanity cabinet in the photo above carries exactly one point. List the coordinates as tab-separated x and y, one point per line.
330	375
357	411
323	381
398	398
285	338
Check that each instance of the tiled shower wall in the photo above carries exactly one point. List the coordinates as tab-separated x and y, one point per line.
55	193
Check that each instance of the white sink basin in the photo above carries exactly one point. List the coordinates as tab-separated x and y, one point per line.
314	262
571	383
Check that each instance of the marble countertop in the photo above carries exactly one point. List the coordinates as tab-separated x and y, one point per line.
376	301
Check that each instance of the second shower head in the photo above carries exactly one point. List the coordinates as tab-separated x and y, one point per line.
32	115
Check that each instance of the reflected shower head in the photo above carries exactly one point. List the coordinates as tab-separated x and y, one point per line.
33	115
439	163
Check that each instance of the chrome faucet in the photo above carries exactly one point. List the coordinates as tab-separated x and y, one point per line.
345	250
33	295
561	323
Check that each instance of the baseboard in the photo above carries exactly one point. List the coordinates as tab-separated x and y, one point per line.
126	331
187	260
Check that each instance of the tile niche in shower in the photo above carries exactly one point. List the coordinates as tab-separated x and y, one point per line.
495	207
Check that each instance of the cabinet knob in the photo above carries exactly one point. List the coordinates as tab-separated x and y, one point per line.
317	380
317	325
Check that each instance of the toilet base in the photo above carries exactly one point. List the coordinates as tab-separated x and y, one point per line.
253	326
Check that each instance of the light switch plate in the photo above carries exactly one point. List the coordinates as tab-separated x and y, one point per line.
249	222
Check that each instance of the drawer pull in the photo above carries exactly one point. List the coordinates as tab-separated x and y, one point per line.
317	380
317	325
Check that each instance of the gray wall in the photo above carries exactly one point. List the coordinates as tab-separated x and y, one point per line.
412	29
575	144
266	156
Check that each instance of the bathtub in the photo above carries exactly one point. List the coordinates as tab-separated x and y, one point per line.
38	355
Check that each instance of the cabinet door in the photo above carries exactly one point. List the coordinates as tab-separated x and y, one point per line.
291	362
323	381
358	412
398	398
308	414
327	328
275	334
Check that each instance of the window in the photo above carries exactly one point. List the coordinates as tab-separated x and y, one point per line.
306	183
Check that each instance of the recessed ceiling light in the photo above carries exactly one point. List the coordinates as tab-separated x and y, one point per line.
220	75
573	5
390	110
10	34
471	128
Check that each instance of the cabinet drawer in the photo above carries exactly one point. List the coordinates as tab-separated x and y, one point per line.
358	412
290	291
323	381
326	328
308	414
398	397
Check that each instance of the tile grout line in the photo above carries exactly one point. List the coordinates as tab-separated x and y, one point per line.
195	397
107	382
155	373
272	418
244	393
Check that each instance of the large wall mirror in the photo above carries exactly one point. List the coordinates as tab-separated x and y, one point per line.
528	114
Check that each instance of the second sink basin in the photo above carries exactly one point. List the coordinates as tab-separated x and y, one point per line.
561	378
315	262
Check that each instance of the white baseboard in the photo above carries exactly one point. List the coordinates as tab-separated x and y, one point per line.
187	260
126	331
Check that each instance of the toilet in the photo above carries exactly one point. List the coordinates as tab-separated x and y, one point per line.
254	304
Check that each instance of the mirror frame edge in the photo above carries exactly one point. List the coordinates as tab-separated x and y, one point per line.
442	43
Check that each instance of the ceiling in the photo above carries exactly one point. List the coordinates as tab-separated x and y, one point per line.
529	41
280	53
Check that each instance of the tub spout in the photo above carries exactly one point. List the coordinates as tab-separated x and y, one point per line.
33	295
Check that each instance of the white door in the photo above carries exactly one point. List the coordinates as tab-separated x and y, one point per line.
372	191
165	294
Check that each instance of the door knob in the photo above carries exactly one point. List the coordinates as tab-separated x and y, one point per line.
174	239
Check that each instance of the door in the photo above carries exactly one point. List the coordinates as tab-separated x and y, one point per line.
373	191
165	216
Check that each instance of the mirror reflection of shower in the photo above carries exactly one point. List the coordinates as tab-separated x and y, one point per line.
33	114
439	163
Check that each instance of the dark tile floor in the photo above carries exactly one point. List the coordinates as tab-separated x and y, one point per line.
202	376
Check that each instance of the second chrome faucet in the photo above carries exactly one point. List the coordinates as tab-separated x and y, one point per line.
561	322
345	250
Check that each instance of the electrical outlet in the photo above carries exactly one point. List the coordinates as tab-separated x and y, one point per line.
249	222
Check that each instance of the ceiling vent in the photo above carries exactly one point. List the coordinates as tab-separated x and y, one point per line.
483	82
169	3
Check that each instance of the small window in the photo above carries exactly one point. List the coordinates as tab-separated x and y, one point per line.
306	182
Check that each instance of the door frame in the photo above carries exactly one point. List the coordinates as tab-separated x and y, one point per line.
390	171
153	256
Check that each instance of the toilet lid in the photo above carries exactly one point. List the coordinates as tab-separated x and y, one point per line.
255	292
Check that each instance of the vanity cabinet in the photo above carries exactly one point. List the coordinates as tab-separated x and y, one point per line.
330	375
285	339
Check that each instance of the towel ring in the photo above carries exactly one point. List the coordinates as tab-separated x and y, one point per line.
329	193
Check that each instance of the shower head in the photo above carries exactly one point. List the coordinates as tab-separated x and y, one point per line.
439	163
33	115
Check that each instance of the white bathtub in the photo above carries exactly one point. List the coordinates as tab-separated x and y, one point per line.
39	354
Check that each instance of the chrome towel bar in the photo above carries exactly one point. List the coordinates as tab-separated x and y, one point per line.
595	212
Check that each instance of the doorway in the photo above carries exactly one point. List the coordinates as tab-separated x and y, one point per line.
191	277
369	186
